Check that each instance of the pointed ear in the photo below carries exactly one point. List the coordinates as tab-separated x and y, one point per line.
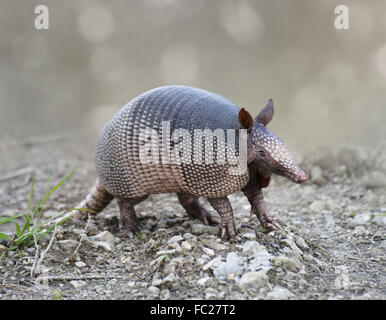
266	114
245	119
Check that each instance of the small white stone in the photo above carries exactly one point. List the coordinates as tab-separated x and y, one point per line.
287	263
103	236
153	290
169	279
359	230
208	251
202	281
361	218
186	246
317	206
80	264
301	243
156	282
175	239
253	279
78	283
279	293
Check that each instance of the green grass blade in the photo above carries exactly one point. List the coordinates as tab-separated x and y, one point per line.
26	224
10	219
5	237
18	230
48	194
31	195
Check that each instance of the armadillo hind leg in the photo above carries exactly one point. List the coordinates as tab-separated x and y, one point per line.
96	201
256	199
196	210
227	225
129	221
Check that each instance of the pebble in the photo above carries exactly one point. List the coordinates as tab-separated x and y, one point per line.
188	236
361	218
301	243
202	281
199	229
78	283
252	246
153	290
164	294
92	229
212	264
232	263
107	245
261	257
169	279
221	269
292	245
211	293
208	251
156	282
103	236
249	236
317	206
287	263
279	293
68	244
80	264
175	239
170	267
253	279
215	245
186	246
360	230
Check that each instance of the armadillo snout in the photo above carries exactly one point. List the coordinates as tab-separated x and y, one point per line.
301	177
297	175
294	173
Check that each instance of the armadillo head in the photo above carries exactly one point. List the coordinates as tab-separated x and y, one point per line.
266	150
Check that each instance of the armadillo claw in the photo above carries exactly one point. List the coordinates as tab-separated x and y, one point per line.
274	225
234	238
81	215
214	220
223	231
207	218
131	232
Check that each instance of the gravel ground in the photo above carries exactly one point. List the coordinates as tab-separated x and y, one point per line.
332	246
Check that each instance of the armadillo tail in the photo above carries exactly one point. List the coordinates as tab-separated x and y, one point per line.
97	200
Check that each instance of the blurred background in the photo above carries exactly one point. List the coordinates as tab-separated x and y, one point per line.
328	85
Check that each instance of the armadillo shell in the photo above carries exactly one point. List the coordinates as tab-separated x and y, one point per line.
118	159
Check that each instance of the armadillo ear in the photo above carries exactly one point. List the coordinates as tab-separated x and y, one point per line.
266	114
245	119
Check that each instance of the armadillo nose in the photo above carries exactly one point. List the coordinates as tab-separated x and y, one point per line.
302	177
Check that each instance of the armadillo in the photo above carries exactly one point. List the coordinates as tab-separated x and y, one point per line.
139	153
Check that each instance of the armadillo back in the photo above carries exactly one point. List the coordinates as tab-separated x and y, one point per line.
123	171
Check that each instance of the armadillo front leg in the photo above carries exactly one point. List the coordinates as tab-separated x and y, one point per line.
256	199
195	209
227	224
128	218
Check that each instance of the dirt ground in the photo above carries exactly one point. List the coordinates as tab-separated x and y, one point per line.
332	246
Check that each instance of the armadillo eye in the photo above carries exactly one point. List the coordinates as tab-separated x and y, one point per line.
261	153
